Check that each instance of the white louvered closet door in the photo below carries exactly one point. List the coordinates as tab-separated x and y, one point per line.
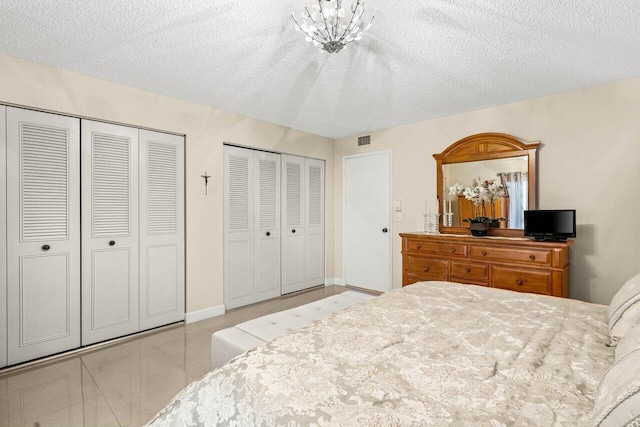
293	228
314	218
3	235
43	234
162	260
110	300
238	253
267	219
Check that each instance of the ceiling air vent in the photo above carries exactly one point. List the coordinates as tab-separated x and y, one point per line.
364	140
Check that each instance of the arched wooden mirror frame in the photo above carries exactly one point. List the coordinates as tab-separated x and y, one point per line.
487	146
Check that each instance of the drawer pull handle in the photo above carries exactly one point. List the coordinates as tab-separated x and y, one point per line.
468	270
418	247
484	253
453	250
46	247
532	257
519	282
425	269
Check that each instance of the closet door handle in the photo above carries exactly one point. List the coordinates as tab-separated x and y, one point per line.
112	242
46	247
293	231
384	230
268	233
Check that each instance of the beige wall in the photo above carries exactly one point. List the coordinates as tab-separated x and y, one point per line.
589	160
34	85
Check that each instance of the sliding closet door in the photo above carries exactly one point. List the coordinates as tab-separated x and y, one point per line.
267	236
109	231
3	236
293	233
43	250
314	217
238	254
161	229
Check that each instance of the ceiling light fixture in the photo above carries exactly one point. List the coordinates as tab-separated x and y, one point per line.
328	27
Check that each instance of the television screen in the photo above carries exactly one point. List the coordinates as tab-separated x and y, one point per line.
550	224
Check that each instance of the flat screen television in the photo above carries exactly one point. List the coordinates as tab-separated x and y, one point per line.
550	224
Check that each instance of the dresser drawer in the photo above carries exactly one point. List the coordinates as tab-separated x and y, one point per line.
470	271
515	264
530	256
437	248
537	282
426	268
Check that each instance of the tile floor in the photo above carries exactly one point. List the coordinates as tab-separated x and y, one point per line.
127	383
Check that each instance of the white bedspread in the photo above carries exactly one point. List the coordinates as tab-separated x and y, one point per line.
432	353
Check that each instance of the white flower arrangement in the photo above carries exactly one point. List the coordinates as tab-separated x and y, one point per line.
456	189
482	193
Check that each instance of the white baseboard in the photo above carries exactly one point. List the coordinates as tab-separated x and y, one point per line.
207	313
334	281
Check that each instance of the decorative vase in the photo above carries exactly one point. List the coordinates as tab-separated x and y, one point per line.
479	229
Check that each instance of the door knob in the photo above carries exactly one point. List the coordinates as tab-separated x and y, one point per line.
46	247
384	230
112	242
293	231
268	233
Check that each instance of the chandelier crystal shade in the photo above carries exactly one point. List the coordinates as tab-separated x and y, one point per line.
329	27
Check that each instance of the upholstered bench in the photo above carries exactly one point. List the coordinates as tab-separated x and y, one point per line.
231	342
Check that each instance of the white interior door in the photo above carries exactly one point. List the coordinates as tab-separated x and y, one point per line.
238	253
267	235
367	221
43	234
110	282
162	286
293	230
3	236
314	217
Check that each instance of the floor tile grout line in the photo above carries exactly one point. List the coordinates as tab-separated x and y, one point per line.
86	368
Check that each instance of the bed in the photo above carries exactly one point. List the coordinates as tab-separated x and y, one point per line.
433	353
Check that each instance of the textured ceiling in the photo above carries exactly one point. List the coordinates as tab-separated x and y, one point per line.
422	59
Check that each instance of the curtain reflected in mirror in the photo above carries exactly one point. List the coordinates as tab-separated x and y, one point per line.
516	186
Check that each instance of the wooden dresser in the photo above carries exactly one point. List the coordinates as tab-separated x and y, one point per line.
517	264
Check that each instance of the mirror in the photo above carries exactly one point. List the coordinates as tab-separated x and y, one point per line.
502	168
511	174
